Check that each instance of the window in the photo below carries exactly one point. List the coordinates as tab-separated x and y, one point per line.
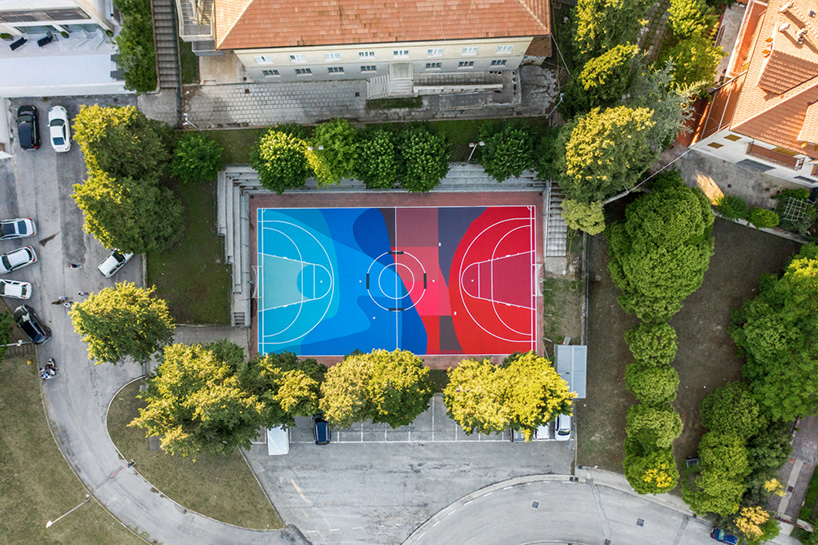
368	68
298	58
465	64
263	59
270	72
400	53
335	70
470	50
435	52
504	49
432	66
303	72
715	145
732	137
500	62
332	56
366	54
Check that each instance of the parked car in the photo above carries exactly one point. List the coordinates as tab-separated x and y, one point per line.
28	127
543	433
722	536
320	430
562	428
15	289
58	129
17	259
111	264
32	326
17	228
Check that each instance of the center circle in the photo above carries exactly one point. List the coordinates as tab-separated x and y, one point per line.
391	289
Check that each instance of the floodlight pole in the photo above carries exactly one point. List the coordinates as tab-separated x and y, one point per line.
21	342
186	121
473	146
52	522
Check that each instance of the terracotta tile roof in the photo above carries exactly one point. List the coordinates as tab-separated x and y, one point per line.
809	129
782	78
248	24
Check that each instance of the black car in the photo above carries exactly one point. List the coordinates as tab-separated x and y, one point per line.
30	323
320	430
28	127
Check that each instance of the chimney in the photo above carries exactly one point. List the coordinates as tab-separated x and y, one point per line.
786	7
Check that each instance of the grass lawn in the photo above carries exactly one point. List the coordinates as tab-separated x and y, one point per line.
189	61
706	358
236	143
223	488
191	276
36	484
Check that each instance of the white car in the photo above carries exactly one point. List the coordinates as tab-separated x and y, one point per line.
58	130
15	289
17	228
17	259
111	264
562	428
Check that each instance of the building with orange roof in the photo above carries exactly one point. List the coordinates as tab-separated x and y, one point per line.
765	116
385	42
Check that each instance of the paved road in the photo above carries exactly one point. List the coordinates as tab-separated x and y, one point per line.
77	400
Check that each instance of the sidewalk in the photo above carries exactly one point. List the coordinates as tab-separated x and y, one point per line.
797	472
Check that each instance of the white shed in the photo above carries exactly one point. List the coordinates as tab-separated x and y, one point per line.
278	441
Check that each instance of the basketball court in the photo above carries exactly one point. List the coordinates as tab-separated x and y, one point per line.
432	279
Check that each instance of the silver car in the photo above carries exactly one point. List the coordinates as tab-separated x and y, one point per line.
111	264
17	259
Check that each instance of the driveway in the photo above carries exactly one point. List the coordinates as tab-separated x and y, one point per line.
379	492
39	185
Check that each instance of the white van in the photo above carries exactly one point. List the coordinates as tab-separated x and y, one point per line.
111	264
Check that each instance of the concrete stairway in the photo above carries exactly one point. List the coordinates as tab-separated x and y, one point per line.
556	231
164	39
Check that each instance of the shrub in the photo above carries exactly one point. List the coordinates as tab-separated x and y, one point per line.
652	384
339	141
654	473
584	217
732	207
377	164
762	218
732	409
548	153
652	343
797	223
196	158
508	150
653	427
137	58
425	159
279	157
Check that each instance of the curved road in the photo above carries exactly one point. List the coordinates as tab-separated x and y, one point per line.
77	400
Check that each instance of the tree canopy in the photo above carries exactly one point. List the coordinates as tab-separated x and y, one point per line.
123	321
660	252
335	151
603	80
425	159
720	485
584	217
475	397
601	25
605	152
732	409
280	159
775	332
377	164
653	427
196	403
652	384
654	473
508	150
196	158
652	343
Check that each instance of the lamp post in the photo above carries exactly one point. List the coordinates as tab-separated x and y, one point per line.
21	342
473	146
186	121
51	522
320	148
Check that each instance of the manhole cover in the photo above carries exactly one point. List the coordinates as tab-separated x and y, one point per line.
535	505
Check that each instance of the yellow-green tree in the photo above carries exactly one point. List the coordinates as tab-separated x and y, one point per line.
654	473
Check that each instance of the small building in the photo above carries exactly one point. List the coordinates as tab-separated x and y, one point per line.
278	441
765	116
571	364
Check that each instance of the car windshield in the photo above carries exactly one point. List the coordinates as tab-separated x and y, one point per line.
21	227
32	331
6	263
58	141
56	123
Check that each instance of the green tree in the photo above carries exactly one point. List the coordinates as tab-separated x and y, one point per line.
335	149
653	427
775	332
768	450
377	164
196	158
601	25
123	321
688	18
733	409
652	343
660	252
475	397
137	57
134	215
584	217
508	150
280	159
536	393
6	323
672	103
654	473
695	60
425	159
721	484
762	218
121	141
548	153
602	81
652	384
196	404
285	386
605	152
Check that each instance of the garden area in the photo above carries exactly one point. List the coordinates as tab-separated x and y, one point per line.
706	357
229	492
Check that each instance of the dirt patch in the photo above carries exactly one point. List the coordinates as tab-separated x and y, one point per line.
706	358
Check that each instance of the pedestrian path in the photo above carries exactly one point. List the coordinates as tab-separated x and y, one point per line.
556	230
